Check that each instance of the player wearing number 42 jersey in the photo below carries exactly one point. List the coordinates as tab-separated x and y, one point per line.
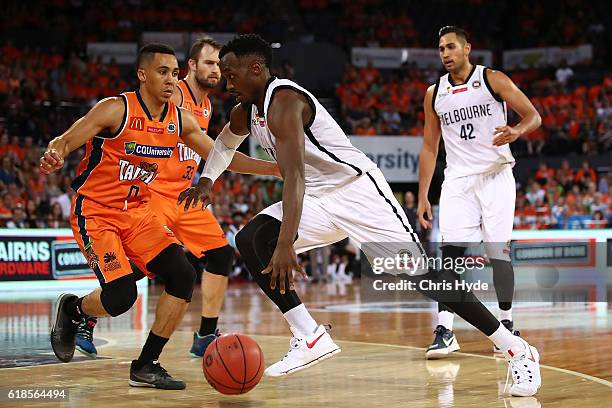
467	107
130	139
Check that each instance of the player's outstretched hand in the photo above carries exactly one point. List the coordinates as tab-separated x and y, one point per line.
424	208
193	195
282	265
504	135
51	161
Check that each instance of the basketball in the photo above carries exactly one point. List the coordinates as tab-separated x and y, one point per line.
233	364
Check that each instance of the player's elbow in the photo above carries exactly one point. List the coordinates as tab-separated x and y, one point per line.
537	119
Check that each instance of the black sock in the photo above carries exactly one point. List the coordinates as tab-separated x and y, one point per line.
150	351
465	304
208	325
503	280
256	243
74	308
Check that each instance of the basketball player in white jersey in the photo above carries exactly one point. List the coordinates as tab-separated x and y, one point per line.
331	191
467	106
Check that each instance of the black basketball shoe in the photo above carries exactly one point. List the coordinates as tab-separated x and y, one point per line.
154	375
63	332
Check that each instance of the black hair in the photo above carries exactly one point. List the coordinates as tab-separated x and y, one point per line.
248	44
459	32
146	52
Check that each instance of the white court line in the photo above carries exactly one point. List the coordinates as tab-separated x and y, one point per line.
561	370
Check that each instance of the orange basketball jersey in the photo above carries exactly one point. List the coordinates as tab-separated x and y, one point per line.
184	161
117	170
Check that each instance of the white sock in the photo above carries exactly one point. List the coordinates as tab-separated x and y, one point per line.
445	318
299	318
505	314
505	340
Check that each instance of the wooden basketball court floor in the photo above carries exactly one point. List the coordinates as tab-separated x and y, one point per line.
381	365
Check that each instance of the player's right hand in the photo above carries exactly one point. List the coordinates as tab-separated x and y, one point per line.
51	161
424	208
193	195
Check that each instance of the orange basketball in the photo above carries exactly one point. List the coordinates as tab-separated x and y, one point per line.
233	363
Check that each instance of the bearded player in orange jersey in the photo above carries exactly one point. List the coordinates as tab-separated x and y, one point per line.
130	140
198	230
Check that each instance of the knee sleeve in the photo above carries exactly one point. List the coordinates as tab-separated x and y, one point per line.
176	271
219	261
256	243
119	295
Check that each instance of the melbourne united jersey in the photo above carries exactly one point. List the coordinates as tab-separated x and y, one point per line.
330	160
118	169
184	161
469	113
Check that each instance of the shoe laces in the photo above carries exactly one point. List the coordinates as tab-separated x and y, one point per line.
520	371
159	369
85	329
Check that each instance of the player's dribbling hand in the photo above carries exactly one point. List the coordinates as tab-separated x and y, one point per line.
424	208
282	266
504	135
51	161
193	195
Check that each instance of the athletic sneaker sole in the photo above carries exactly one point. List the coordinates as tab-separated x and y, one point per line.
305	366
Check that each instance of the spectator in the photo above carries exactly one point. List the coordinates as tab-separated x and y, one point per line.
564	73
18	219
410	209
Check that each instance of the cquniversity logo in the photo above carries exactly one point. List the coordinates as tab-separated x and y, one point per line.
160	152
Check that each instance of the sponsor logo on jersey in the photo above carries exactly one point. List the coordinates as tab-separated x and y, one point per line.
136	149
206	112
171	127
459	90
110	262
136	123
186	154
197	113
476	84
187	105
145	172
259	121
92	259
156	130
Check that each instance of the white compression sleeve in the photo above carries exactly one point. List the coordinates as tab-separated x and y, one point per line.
222	153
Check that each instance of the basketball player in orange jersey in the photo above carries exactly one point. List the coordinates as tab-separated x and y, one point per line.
198	230
111	218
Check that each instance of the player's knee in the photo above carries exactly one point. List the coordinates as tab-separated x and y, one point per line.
244	238
119	295
219	261
176	271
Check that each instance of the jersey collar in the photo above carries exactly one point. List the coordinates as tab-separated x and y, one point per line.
146	110
450	79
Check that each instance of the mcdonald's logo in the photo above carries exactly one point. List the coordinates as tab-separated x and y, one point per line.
136	123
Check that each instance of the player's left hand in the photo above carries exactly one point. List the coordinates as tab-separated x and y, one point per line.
504	135
51	161
282	266
193	195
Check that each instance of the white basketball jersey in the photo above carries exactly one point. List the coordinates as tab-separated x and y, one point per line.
469	114
330	160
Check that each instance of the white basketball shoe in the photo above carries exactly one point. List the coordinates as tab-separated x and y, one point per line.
304	351
524	364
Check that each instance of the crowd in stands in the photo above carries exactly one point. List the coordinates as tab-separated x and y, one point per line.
395	23
576	117
564	198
